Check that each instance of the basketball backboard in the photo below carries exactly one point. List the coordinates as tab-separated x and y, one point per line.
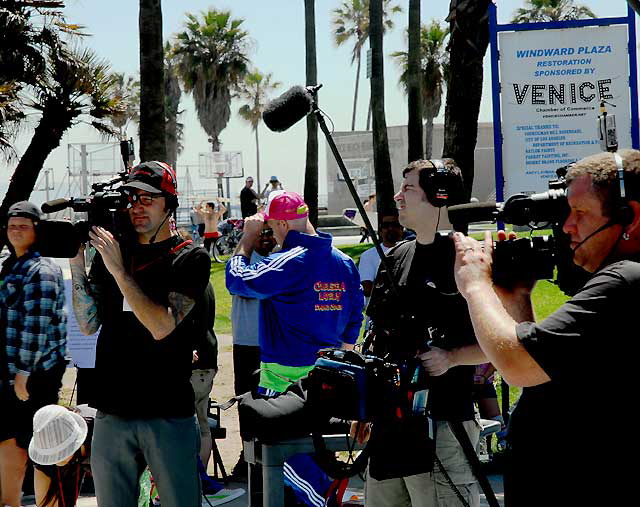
221	164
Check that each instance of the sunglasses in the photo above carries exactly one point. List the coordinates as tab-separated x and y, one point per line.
386	225
144	199
267	233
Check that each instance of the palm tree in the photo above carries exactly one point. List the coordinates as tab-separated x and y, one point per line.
212	61
351	21
152	115
255	90
127	90
10	116
551	10
75	87
415	149
25	45
434	64
172	93
469	39
311	70
381	158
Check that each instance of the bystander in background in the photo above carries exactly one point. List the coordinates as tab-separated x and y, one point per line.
245	314
34	327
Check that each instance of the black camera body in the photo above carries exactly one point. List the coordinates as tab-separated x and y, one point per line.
105	207
536	257
350	385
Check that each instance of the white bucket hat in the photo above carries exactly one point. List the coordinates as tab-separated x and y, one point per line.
57	434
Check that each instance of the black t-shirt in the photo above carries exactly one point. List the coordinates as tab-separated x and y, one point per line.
248	206
568	434
138	376
207	342
428	309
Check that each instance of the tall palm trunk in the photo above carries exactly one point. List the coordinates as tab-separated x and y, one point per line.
355	94
428	140
54	122
171	127
381	158
311	170
414	95
257	159
152	115
468	45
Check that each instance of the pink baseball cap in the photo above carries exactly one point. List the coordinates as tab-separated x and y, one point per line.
285	206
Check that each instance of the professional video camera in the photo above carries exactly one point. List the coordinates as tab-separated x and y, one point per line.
104	207
534	257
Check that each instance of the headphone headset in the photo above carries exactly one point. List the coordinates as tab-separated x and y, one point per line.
169	185
623	213
172	201
439	185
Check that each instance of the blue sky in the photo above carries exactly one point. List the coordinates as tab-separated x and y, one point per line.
276	28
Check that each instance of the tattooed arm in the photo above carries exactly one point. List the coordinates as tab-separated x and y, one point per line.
84	296
159	319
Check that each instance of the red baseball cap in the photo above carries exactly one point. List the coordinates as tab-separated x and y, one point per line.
285	206
153	176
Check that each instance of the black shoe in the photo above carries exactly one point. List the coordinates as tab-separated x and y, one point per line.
240	471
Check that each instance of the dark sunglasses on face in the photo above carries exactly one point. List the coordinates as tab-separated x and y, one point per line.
267	233
385	225
144	199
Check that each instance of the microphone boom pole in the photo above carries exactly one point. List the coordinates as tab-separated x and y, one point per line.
315	110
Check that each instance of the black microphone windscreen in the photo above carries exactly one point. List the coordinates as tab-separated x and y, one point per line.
288	109
472	212
55	205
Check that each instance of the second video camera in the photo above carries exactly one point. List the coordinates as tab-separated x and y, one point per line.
534	257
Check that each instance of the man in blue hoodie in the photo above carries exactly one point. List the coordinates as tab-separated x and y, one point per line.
310	292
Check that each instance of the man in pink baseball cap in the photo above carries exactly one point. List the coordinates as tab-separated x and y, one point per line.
310	291
286	211
310	298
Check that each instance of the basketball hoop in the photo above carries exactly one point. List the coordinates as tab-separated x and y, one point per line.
221	164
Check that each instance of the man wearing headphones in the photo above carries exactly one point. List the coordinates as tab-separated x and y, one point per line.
148	296
34	337
597	326
426	313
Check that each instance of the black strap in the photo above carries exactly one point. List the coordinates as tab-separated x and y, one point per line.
463	439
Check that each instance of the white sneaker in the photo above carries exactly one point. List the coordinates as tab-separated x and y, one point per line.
222	496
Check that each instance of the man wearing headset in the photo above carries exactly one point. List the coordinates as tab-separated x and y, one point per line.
598	326
148	296
427	309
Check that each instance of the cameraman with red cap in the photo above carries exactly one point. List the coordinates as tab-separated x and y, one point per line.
34	327
147	296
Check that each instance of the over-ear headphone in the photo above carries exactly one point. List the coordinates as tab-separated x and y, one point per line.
441	185
171	202
169	186
622	213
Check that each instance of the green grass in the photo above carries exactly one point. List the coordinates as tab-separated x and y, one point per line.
223	299
546	296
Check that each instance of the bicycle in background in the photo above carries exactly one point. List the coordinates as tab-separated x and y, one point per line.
230	234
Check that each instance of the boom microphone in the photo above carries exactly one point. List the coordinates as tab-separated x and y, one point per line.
288	109
55	205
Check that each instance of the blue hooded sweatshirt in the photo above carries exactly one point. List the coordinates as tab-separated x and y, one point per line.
311	299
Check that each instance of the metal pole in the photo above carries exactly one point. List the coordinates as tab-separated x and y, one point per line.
354	194
84	172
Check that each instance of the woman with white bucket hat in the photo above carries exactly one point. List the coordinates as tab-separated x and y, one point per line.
60	451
